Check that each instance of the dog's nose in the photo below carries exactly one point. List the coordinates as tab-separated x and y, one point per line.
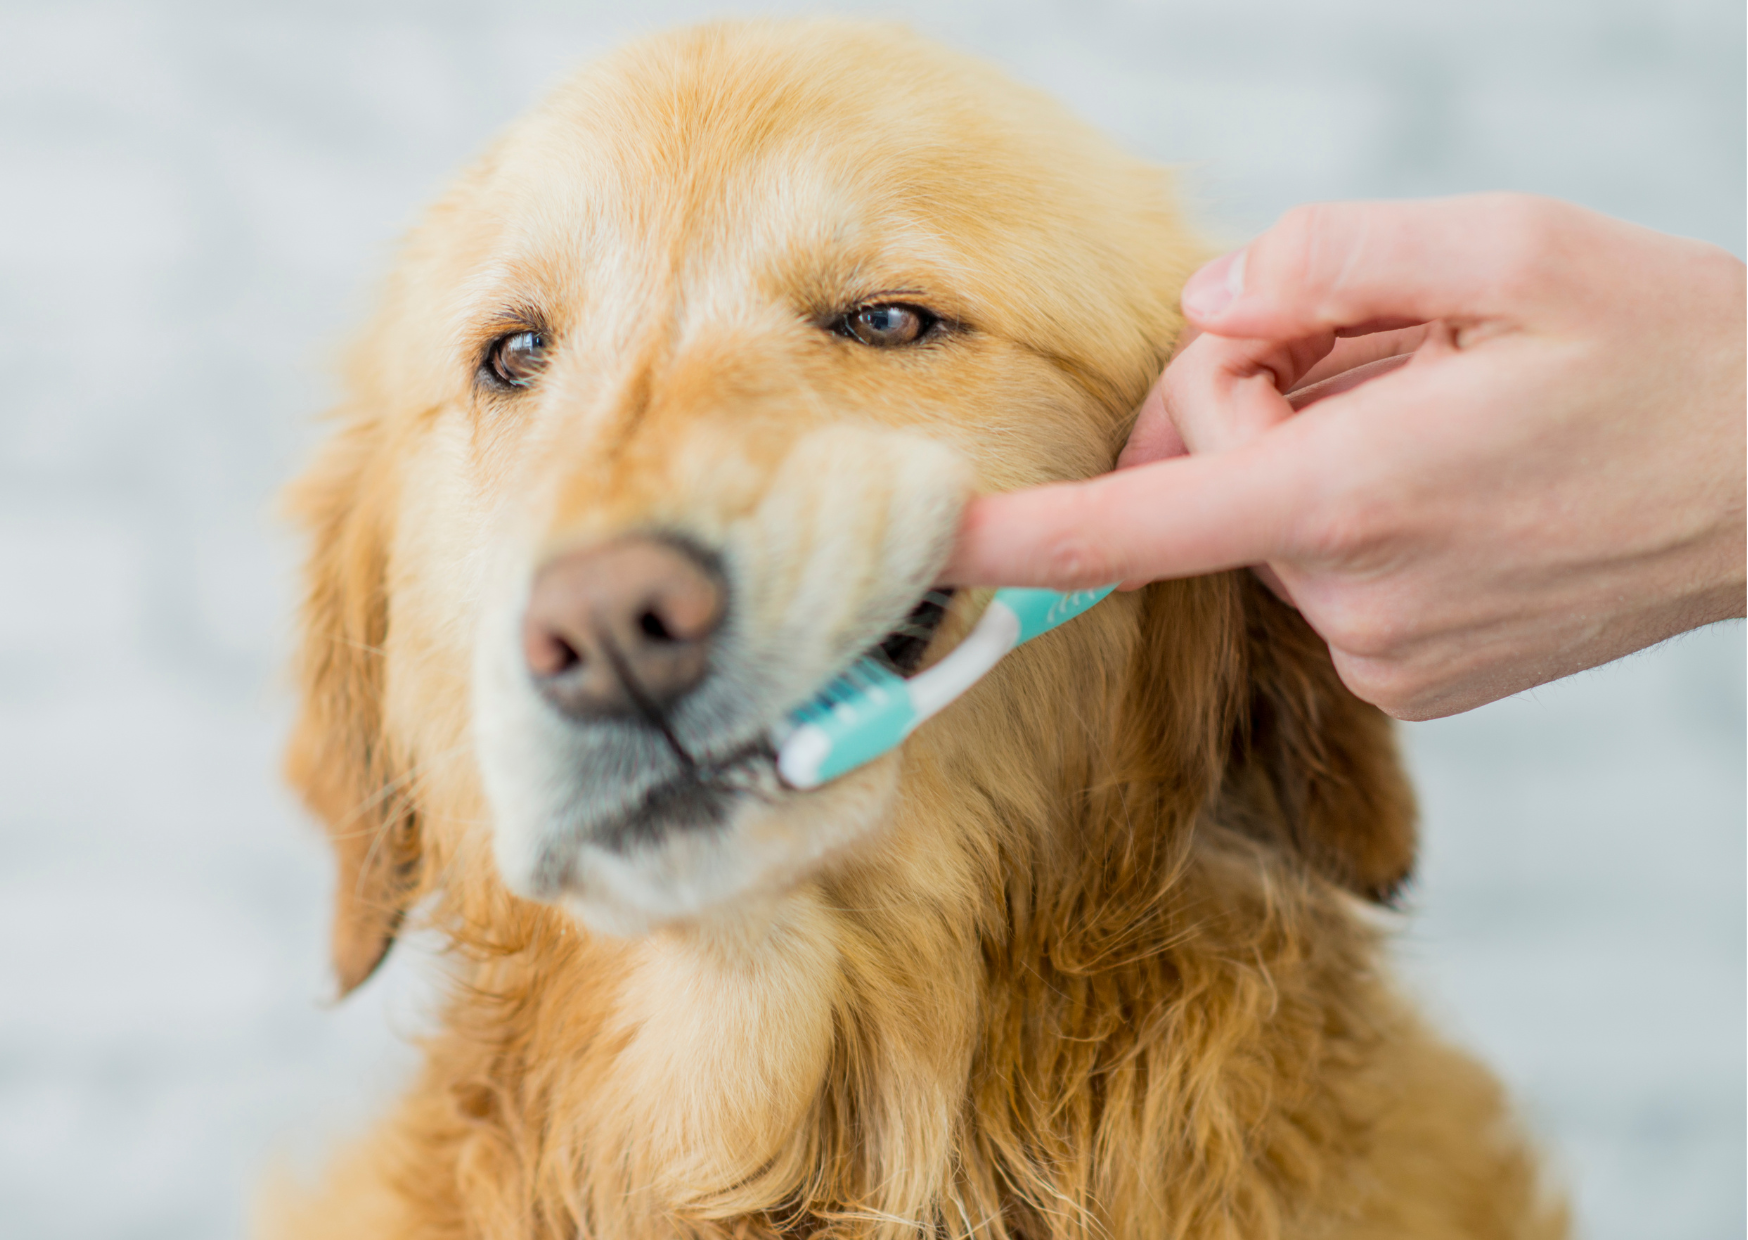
622	628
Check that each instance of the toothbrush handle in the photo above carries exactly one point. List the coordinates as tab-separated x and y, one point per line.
1013	616
869	711
997	632
1039	611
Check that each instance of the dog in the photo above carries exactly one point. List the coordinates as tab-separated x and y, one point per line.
669	414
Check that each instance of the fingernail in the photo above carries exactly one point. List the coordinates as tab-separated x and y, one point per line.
1207	293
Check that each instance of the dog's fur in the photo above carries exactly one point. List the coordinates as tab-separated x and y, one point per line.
1088	957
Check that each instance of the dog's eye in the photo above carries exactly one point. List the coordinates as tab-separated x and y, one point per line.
516	360
885	326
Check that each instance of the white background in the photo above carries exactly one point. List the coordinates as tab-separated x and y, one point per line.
194	202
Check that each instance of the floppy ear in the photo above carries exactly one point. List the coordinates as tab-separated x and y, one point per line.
1312	768
338	758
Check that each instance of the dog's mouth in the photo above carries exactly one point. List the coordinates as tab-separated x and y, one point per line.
700	790
902	649
698	795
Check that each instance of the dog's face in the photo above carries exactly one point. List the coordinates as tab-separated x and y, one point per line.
668	417
692	377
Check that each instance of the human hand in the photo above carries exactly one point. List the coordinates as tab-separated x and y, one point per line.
1480	443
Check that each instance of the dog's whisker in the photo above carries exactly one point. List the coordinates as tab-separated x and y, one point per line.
395	785
406	785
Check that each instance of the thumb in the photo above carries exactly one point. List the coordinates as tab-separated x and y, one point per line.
1353	266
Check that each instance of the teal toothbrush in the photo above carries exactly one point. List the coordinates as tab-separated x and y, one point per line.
870	709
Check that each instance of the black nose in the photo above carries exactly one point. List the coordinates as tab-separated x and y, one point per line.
622	628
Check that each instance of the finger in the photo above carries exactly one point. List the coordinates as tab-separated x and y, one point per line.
1338	265
1223	392
1154	437
1171	518
1362	350
1220	392
1306	395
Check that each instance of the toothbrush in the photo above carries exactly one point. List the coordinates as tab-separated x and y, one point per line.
870	709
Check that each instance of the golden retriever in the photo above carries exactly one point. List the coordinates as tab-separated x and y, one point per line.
668	415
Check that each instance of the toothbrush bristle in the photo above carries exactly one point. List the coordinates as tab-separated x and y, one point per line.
846	688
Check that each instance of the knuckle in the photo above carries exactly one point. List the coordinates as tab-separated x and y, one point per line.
1172	384
1326	261
1074	560
1390	686
1362	619
1364	632
1065	557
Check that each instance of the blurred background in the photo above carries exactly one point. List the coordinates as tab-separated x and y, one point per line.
195	202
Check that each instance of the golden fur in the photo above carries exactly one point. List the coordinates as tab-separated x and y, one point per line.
1087	958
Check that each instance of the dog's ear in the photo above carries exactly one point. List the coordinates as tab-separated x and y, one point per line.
1312	768
339	759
